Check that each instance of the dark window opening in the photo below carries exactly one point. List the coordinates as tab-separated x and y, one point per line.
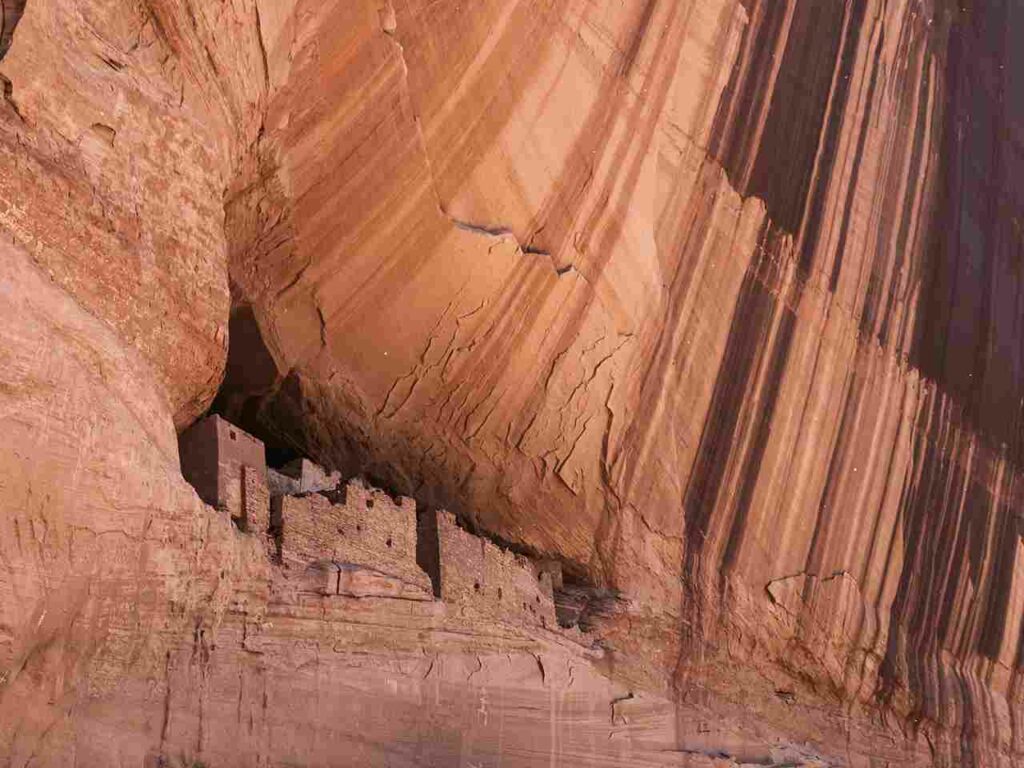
427	550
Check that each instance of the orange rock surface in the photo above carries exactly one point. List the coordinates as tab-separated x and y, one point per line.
716	302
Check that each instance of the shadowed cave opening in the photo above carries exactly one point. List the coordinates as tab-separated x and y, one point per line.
11	12
250	397
251	375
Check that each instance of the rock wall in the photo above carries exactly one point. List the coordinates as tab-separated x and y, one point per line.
678	299
714	301
366	527
256	500
491	582
214	458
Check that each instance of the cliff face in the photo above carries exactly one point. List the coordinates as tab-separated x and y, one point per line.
716	301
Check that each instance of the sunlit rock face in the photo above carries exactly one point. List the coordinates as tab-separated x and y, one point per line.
716	302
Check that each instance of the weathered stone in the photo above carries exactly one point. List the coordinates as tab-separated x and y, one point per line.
311	477
214	455
478	576
367	529
716	302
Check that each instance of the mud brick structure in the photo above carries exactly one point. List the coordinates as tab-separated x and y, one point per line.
554	570
213	452
358	540
310	476
306	528
281	484
255	501
478	575
366	528
255	518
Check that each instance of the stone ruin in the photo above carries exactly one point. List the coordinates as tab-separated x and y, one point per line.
213	453
301	476
356	540
354	526
487	580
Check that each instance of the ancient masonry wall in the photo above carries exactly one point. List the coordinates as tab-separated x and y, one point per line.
368	529
256	508
255	502
359	540
490	581
427	554
235	449
197	448
310	476
213	454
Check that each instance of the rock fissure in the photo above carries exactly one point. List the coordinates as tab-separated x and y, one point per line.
793	351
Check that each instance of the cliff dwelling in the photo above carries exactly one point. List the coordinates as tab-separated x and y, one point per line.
351	539
511	383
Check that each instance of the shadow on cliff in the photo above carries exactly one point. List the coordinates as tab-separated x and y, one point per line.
10	14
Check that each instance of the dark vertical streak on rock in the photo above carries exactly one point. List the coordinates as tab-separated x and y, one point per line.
1007	538
747	95
967	329
637	39
830	146
752	314
747	354
750	472
881	317
794	109
818	201
961	536
832	477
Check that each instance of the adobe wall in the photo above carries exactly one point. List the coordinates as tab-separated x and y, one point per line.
554	570
197	451
427	554
363	526
360	531
213	452
368	529
255	518
280	484
235	449
306	528
480	576
310	476
375	527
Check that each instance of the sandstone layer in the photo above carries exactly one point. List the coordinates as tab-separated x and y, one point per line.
716	302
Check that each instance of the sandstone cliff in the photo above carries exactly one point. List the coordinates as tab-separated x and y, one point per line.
717	302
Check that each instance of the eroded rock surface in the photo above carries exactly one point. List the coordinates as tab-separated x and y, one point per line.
716	302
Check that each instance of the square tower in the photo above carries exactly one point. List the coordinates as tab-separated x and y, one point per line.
213	452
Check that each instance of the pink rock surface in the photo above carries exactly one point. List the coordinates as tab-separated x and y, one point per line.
716	302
